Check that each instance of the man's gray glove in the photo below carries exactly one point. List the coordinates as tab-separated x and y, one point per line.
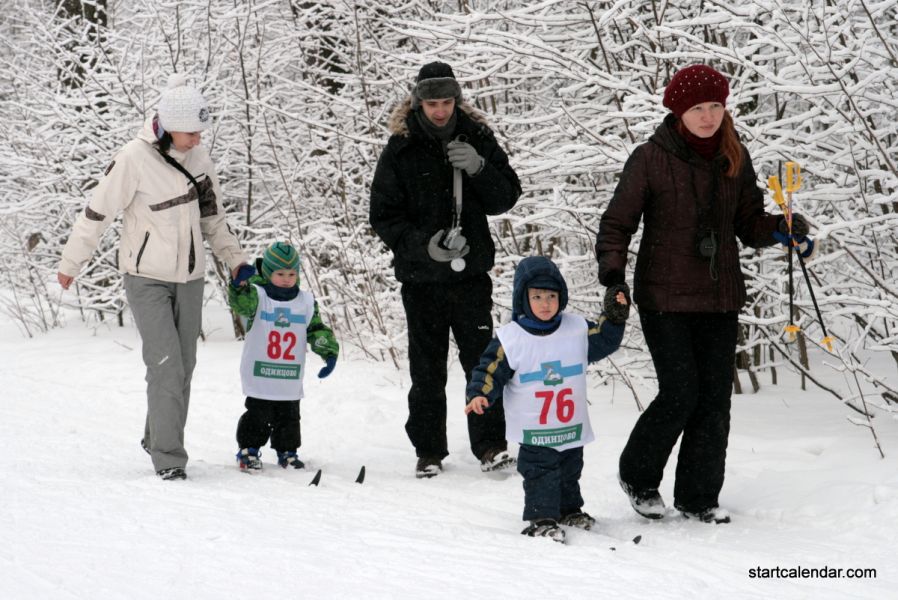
441	253
463	156
454	240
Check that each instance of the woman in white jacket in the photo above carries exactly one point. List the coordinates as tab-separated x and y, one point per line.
165	184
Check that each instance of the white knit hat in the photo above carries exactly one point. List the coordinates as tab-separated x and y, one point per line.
182	108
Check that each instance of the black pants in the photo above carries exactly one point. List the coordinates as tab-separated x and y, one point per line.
432	310
551	481
694	355
275	419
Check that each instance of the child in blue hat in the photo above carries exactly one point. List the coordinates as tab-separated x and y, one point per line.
537	365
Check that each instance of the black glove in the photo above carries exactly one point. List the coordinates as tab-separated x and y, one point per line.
616	312
800	227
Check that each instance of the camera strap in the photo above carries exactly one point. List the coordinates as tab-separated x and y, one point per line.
708	212
178	166
708	218
191	259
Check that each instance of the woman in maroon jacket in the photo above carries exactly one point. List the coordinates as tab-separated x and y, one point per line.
694	187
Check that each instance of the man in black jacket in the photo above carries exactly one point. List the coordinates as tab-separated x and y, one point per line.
440	175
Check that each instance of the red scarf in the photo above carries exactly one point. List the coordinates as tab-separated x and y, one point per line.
705	147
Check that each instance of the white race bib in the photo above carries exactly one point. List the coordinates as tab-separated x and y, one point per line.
545	401
274	351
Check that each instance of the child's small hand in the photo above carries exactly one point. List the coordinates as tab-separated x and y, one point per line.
621	299
477	405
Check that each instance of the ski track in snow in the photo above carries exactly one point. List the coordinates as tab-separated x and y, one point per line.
87	517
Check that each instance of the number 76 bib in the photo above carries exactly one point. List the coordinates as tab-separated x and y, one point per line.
545	402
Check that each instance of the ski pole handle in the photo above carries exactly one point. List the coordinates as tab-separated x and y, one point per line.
793	177
773	182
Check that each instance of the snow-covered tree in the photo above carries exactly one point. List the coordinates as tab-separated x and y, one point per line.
301	92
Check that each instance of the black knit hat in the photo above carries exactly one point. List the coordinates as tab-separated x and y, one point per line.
435	81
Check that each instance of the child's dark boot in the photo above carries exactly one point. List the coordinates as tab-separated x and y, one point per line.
289	459
248	459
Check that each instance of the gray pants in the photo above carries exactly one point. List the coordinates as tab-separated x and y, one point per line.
168	317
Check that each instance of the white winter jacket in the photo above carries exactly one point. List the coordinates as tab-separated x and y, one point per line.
163	217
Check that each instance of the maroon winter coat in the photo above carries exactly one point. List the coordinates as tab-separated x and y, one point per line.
669	186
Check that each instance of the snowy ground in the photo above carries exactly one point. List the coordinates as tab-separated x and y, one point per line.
87	518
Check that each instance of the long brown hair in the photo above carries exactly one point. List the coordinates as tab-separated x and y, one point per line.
730	147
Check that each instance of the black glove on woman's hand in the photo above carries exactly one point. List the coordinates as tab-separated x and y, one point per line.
800	227
616	312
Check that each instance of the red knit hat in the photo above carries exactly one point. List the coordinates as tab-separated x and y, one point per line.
694	85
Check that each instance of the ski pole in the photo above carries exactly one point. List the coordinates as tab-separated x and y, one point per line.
788	216
773	182
827	339
793	183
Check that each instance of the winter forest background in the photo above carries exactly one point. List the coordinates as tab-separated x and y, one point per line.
301	92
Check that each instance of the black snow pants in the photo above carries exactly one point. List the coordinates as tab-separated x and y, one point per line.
694	356
551	481
432	310
274	419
